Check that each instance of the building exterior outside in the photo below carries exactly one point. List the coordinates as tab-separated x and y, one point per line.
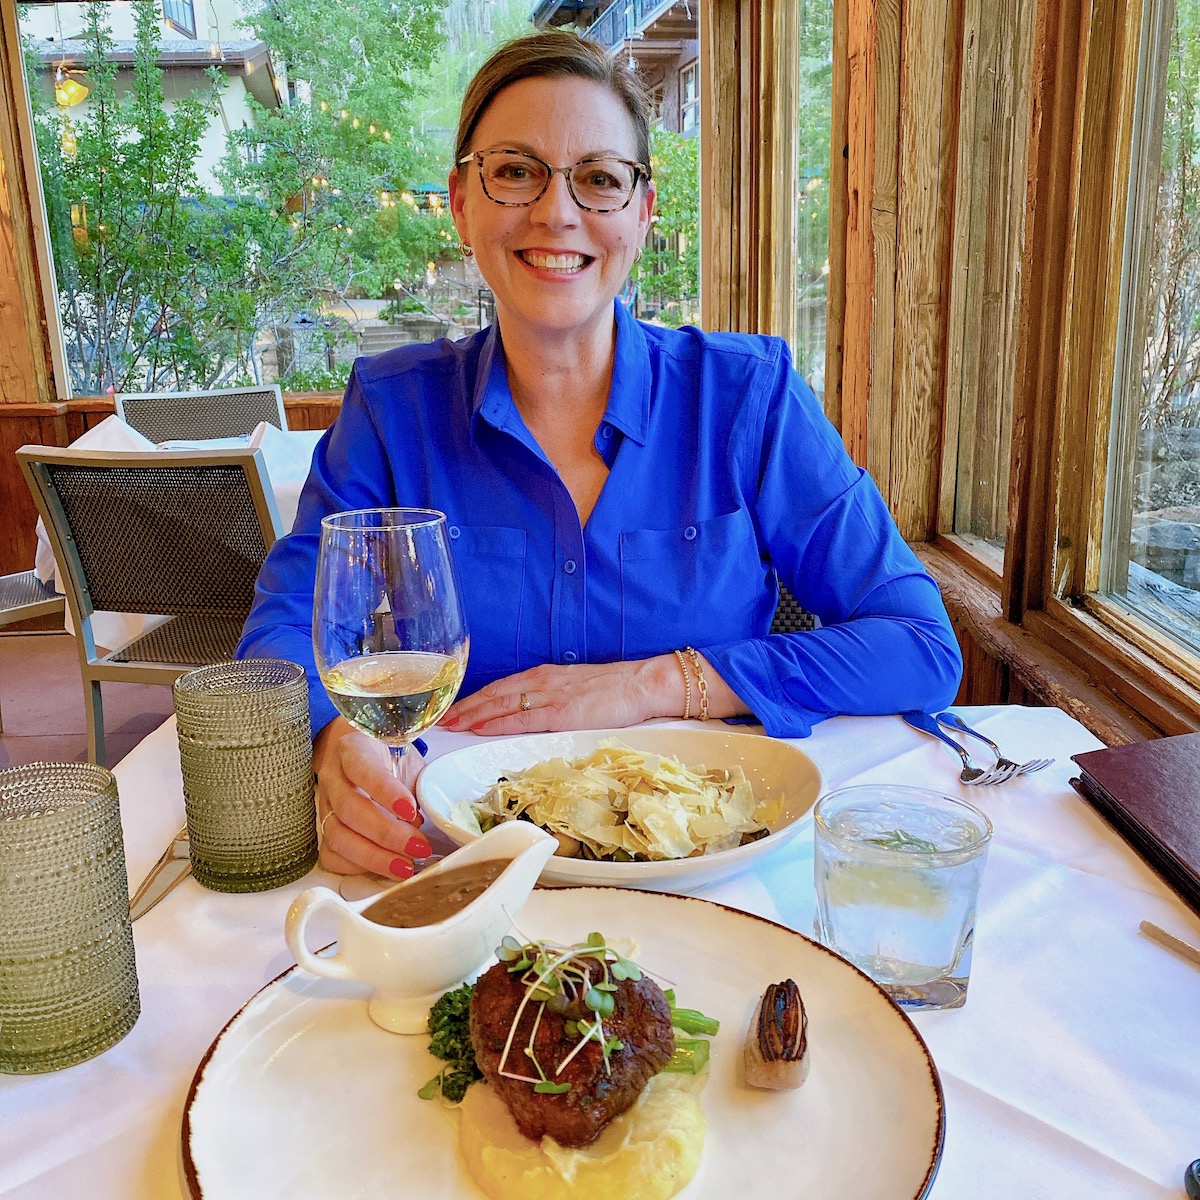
659	37
197	35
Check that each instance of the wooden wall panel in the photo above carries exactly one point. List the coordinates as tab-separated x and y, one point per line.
26	372
885	218
839	159
859	239
311	410
988	229
929	80
1006	664
20	425
748	104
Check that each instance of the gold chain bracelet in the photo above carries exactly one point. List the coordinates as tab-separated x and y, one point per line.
687	685
701	682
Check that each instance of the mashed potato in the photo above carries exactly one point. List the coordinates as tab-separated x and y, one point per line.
650	1152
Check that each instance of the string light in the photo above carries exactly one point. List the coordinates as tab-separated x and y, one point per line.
67	91
70	146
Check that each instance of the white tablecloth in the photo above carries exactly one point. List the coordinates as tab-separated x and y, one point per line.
287	455
1073	1071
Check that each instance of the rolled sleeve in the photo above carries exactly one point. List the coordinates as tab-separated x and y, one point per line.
884	642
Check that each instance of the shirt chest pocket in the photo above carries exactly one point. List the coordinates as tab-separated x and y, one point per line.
692	585
490	562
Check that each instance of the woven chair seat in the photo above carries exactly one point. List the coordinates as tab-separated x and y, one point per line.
790	615
195	640
21	591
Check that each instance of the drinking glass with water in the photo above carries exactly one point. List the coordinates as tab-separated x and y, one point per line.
897	873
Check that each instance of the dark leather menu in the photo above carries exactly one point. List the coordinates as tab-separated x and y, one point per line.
1150	793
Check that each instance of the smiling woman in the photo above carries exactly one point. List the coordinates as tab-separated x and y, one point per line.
622	500
555	260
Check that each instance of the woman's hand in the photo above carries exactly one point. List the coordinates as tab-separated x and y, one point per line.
368	818
587	696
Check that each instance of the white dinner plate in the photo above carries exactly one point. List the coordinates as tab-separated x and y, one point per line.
772	766
302	1097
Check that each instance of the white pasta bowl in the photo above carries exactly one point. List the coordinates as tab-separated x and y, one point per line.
774	768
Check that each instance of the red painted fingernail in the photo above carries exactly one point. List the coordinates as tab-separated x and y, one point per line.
401	867
418	847
448	722
405	809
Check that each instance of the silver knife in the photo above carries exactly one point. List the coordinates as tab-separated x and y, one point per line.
174	866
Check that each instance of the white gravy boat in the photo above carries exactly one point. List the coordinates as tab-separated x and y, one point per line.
410	968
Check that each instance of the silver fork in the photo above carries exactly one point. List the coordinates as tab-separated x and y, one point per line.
949	720
970	773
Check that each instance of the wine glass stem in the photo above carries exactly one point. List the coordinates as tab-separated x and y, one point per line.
396	754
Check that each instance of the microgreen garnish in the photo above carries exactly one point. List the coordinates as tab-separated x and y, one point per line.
577	983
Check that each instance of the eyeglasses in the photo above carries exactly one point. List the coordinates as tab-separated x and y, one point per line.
516	179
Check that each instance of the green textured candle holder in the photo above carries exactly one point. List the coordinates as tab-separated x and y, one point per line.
68	979
245	750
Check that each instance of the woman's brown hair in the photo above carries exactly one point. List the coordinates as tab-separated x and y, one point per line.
554	54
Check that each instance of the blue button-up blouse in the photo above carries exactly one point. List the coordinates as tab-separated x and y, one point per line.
724	476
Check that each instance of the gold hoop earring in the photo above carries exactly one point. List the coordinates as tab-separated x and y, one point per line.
465	250
637	255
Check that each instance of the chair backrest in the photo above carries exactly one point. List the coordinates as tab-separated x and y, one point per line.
172	532
194	416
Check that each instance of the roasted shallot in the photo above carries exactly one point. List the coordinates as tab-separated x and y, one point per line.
776	1054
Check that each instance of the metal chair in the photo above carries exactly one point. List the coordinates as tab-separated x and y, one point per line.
790	615
195	416
175	533
22	597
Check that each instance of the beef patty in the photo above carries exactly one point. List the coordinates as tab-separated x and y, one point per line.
641	1019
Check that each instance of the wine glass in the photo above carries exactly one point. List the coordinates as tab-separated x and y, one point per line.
389	635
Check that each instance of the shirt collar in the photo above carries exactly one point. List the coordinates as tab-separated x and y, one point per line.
628	403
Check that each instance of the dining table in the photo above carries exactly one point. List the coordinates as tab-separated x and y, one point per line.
1073	1069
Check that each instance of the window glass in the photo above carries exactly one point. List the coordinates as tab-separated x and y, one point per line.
181	15
812	188
263	199
273	202
689	98
1151	550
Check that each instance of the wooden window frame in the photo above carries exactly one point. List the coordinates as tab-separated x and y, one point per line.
180	26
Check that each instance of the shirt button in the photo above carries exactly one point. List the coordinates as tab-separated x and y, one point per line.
606	431
569	566
455	532
570	656
690	533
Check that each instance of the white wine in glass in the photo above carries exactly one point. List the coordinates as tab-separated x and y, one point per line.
388	629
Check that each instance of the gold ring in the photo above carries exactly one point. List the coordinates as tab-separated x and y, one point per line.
526	703
321	825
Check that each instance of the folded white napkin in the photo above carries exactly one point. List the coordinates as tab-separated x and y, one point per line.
287	454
